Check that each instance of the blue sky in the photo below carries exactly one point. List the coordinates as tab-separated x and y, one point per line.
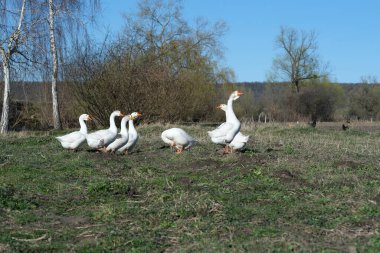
348	31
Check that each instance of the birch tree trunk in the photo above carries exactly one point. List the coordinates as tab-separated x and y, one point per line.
6	99
54	92
6	54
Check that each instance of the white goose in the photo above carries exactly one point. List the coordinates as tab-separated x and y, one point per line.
240	139
102	138
122	137
133	136
226	132
177	138
74	139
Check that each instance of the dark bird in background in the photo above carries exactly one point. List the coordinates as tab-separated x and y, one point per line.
344	127
313	123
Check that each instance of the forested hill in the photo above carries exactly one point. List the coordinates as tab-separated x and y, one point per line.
34	91
259	87
318	100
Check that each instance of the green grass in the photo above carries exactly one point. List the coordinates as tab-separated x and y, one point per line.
294	189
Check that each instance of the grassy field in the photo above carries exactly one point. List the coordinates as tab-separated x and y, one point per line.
294	189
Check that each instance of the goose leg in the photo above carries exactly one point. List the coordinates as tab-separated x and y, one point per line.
179	150
103	149
226	149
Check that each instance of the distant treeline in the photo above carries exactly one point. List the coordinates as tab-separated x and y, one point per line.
317	100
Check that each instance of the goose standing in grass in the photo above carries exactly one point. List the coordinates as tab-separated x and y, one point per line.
133	136
74	139
240	139
122	137
177	138
226	132
101	138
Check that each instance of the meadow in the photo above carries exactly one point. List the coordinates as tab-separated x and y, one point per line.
293	189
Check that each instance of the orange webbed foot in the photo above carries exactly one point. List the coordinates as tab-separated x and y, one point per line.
226	149
179	150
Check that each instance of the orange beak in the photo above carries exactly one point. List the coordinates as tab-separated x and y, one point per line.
239	93
137	115
89	117
219	107
121	114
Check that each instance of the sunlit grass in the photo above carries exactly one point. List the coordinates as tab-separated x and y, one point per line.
293	188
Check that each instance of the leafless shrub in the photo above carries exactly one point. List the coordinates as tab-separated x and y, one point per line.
161	67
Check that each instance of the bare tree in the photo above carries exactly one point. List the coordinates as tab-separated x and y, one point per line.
25	37
54	93
159	59
368	79
299	60
8	47
68	14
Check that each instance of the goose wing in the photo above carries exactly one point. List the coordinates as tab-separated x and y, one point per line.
118	142
71	137
221	130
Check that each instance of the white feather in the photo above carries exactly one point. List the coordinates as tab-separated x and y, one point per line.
74	139
104	137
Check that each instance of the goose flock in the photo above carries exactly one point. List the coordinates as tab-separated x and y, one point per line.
108	140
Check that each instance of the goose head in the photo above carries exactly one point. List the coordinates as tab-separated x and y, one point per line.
135	115
236	94
118	113
85	117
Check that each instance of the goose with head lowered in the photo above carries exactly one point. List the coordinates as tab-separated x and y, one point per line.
240	140
122	138
74	139
227	131
101	138
177	138
133	136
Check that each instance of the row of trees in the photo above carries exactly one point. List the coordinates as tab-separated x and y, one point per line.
317	100
160	65
158	57
28	29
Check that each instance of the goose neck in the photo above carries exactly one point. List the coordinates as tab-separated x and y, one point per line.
83	126
113	127
230	114
123	127
131	126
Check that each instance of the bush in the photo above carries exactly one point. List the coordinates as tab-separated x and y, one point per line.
166	72
365	102
319	100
